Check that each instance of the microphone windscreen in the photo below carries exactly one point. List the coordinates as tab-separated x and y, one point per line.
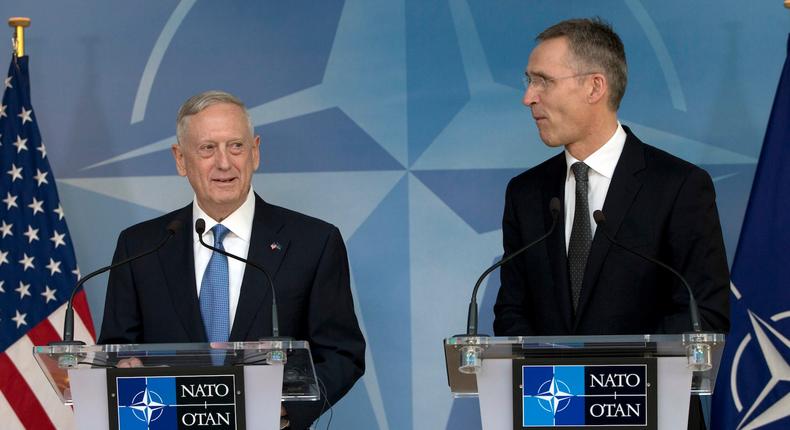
200	226
599	217
173	226
554	206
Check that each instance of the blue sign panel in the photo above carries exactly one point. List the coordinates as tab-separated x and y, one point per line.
576	395
142	399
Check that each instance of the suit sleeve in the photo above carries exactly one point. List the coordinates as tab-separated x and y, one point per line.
510	318
122	322
696	247
336	341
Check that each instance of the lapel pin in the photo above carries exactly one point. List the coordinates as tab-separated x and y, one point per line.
276	246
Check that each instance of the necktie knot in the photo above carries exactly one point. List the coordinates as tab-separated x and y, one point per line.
219	231
580	171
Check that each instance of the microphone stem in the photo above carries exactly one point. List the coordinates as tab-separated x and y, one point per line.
275	319
68	324
471	323
693	309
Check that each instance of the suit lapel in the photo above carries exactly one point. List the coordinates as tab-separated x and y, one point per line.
622	191
555	180
177	259
267	249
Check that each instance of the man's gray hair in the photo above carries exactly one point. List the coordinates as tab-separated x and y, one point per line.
198	102
594	45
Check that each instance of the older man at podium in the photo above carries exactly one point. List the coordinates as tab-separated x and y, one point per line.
186	293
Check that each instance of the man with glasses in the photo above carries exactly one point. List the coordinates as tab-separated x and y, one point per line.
576	282
186	293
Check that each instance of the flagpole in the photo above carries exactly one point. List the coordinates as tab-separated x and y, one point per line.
19	23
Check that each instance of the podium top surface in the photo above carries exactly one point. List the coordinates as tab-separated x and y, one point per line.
459	349
299	378
658	345
238	350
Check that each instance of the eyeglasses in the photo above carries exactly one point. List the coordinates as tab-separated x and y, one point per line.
541	83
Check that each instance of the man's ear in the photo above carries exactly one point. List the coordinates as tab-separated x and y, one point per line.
598	90
178	155
256	151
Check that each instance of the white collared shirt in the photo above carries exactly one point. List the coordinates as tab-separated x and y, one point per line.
602	163
237	242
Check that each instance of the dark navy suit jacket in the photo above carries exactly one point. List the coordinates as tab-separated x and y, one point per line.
154	299
657	204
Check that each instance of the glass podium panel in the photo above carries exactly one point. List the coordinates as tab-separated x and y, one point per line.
460	351
299	379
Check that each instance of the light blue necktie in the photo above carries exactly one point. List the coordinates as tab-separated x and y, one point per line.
214	304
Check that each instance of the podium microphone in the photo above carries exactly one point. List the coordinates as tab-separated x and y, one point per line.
600	221
200	228
698	350
471	320
471	350
68	323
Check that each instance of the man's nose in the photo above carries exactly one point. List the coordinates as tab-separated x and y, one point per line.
530	97
221	157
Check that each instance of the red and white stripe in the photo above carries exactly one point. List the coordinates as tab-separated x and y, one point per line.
27	399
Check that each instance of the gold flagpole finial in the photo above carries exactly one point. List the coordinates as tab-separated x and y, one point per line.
787	4
19	24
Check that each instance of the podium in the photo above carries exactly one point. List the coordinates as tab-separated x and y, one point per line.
629	381
221	384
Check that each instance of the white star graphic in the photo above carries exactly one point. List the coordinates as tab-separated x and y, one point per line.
53	266
8	82
2	290
76	273
780	372
57	239
21	144
25	115
36	206
147	406
10	201
23	290
27	262
2	110
15	172
19	319
43	150
31	233
49	294
554	395
6	229
59	211
41	177
3	259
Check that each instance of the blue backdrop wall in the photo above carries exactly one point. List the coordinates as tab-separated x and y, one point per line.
398	121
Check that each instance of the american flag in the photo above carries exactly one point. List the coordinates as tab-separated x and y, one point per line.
37	265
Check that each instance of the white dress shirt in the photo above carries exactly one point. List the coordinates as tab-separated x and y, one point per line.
236	242
602	163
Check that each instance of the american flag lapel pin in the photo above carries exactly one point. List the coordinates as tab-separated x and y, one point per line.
275	246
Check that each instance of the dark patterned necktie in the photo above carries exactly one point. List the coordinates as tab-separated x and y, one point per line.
581	233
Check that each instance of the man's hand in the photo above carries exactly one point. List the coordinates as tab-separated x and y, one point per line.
284	423
126	363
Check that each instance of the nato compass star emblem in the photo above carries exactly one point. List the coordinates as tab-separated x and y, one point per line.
147	406
774	347
554	396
